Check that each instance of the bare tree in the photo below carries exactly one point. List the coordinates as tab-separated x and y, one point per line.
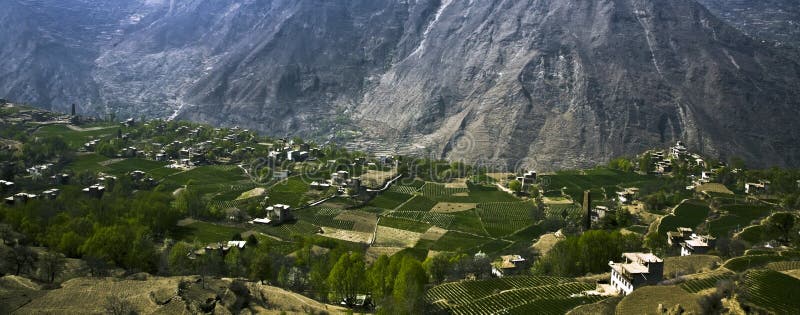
21	258
52	265
117	306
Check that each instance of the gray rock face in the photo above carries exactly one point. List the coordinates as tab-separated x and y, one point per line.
540	83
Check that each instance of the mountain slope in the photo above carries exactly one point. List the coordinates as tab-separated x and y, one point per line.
540	83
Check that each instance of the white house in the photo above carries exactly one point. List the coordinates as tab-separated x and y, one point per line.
638	269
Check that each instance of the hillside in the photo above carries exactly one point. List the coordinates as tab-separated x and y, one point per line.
548	83
154	295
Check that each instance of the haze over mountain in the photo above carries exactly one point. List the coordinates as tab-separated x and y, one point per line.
544	83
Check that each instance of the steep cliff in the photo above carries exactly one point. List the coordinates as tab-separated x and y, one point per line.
542	83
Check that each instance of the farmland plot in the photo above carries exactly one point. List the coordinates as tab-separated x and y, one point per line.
503	218
773	291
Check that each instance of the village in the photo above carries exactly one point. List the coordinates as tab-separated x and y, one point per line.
674	221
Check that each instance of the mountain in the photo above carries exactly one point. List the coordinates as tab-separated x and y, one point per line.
538	83
773	20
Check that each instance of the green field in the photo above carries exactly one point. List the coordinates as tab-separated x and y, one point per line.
207	174
464	292
772	291
689	213
88	162
153	169
404	224
740	264
389	200
738	216
575	182
323	216
503	218
75	139
549	296
418	203
468	221
442	220
459	242
205	232
291	192
707	281
574	212
752	234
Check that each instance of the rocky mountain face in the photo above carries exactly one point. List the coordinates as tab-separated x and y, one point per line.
777	21
539	83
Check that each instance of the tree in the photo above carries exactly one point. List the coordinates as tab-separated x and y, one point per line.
779	225
21	258
51	265
115	305
347	277
376	276
178	259
515	185
261	267
437	267
233	262
646	163
409	287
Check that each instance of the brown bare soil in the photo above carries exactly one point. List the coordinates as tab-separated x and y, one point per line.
388	236
433	234
448	207
364	221
347	235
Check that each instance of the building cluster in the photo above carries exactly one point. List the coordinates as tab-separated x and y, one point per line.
689	242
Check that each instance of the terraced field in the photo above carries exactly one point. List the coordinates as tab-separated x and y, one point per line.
705	282
514	295
689	213
463	292
773	291
555	211
737	216
784	265
740	264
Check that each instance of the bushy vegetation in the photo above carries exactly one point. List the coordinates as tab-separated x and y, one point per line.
587	253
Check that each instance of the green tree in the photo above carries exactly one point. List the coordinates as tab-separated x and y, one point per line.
409	287
179	258
233	262
515	185
779	225
347	277
376	276
437	267
261	267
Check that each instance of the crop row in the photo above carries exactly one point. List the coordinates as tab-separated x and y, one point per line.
408	190
510	299
773	291
433	190
456	293
700	284
555	306
441	220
